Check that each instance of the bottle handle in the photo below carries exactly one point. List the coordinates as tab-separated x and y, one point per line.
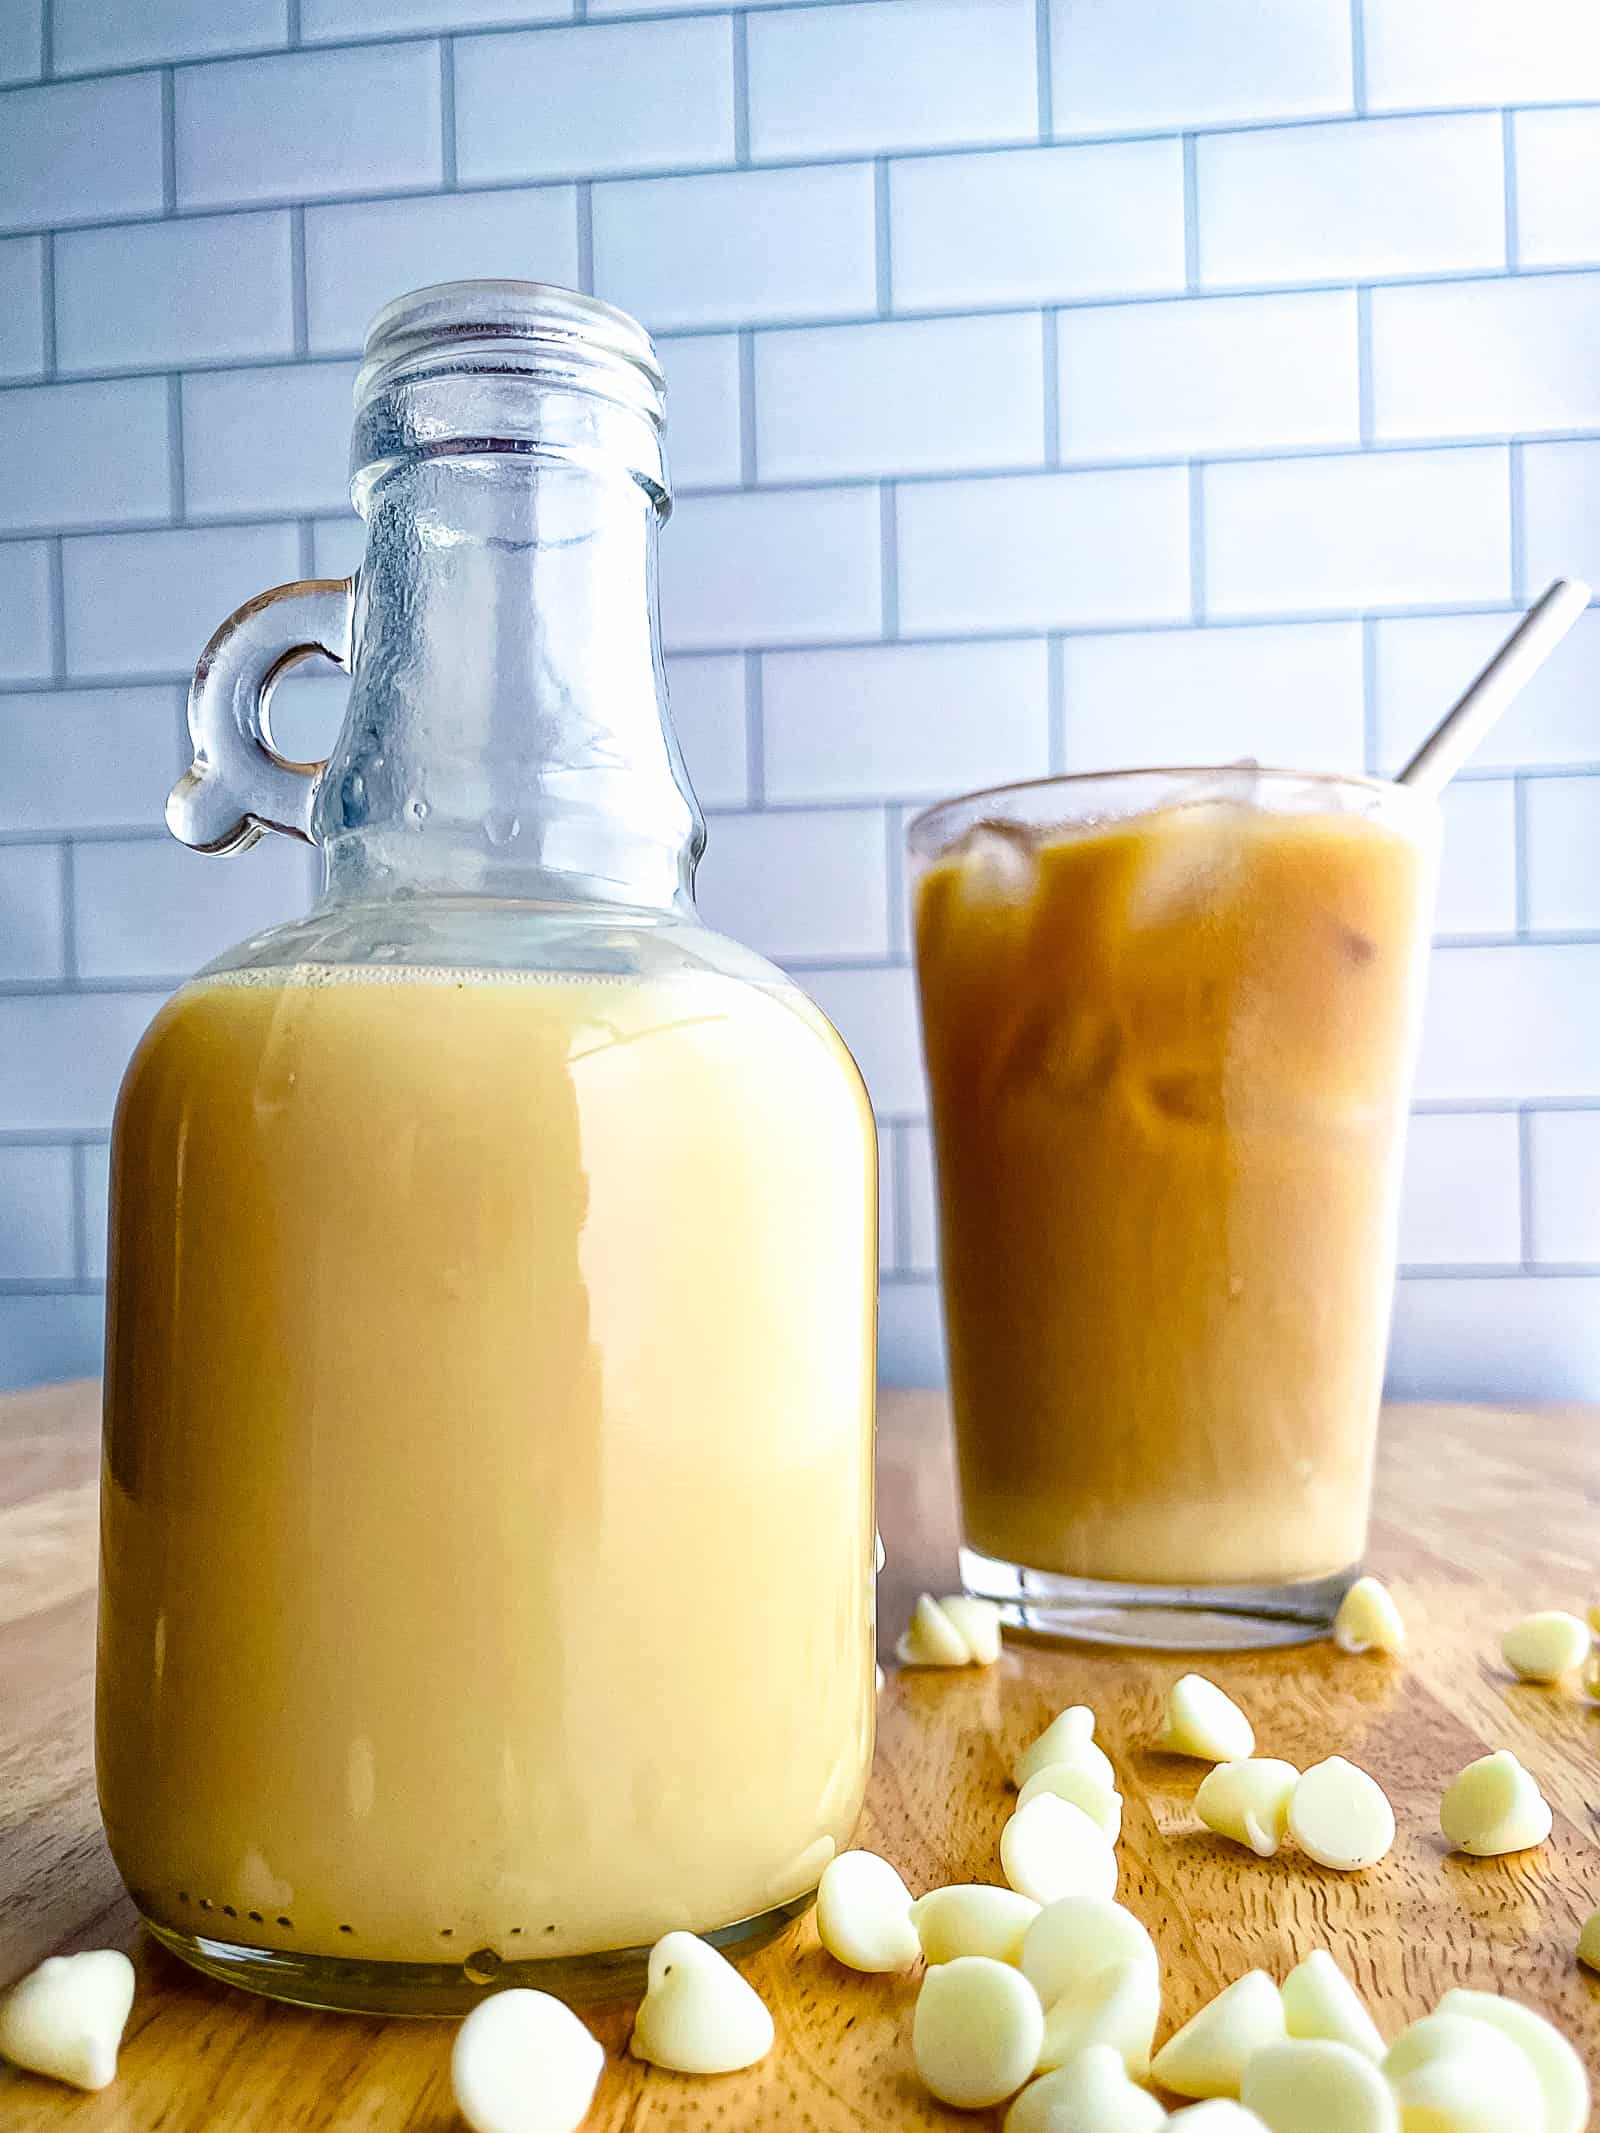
238	785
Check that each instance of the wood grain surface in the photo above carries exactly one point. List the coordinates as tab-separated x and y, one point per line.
1483	1515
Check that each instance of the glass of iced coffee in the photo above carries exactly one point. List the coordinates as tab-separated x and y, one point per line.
1169	1019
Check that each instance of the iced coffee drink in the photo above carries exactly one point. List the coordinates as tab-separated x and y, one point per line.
1169	1021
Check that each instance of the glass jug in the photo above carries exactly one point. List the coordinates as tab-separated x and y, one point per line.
487	1530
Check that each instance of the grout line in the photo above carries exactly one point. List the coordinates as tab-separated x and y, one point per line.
298	298
741	90
1051	373
755	739
1517	503
1197	539
447	112
881	236
1364	365
56	599
1520	853
1191	217
47	300
1525	1208
291	23
175	465
584	193
1508	153
1055	685
894	863
747	409
169	143
1041	48
1371	739
71	1286
306	538
69	914
1358	56
80	1213
889	559
47	39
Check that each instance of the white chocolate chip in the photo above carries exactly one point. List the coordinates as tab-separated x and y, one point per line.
970	1919
976	2032
1340	1816
864	1914
66	2018
1559	2070
1201	1721
1588	1942
1120	2006
1207	2057
699	2016
1090	2094
1494	1806
1543	1647
1319	2002
1221	2116
1051	1849
1248	1801
524	2063
1071	1781
957	1631
1461	2076
1312	2085
1069	1941
1368	1619
1069	1738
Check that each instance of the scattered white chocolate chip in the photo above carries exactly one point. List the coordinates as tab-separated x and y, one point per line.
1207	2057
1221	2116
1320	2003
1461	2076
524	2063
1494	1806
1120	2006
66	2018
1070	1940
1340	1816
1312	2085
976	2033
864	1913
1090	2094
1201	1721
1559	2070
1368	1619
957	1631
970	1919
698	2015
1248	1801
1071	1781
1588	1942
1051	1849
1545	1646
1069	1738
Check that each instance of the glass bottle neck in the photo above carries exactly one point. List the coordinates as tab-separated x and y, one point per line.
507	733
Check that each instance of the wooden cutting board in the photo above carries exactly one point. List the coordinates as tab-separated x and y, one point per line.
1483	1514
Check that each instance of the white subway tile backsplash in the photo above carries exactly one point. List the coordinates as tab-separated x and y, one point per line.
1028	225
338	546
1478	859
87	759
153	909
62	1056
87	35
910	396
36	1214
22	40
360	256
1461	1197
1219	374
875	1012
1469	358
734	247
45	1338
707	696
146	603
78	455
21	307
1563	827
914	721
307	711
1564	1187
556	103
920	1253
95	1158
1424	662
780	567
24	611
1365	530
1445	52
888	74
799	885
1130	66
1371	197
267	440
1282	694
371	18
1521	1021
910	1334
32	934
1560	513
1495	1339
213	288
1558	203
76	151
1044	551
703	443
307	124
